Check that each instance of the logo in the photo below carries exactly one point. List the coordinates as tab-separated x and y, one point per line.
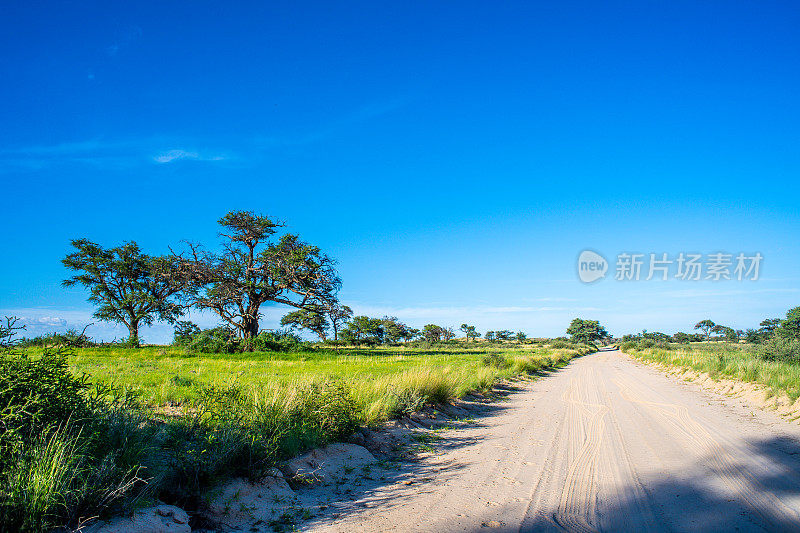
591	266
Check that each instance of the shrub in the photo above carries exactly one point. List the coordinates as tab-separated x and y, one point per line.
215	340
276	341
646	343
70	338
408	401
37	393
185	333
496	360
66	449
779	349
560	343
628	345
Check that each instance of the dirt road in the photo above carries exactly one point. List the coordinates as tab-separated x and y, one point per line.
605	444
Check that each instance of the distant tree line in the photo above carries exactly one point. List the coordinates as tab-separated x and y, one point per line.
707	330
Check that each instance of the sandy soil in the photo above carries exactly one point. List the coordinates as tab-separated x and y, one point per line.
605	444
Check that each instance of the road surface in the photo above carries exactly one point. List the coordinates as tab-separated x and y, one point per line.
604	444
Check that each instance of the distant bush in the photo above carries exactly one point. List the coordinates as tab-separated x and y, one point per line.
779	349
185	332
646	343
215	340
560	343
496	360
223	339
276	341
70	338
628	345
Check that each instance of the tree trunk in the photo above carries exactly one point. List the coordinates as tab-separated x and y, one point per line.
249	327
133	329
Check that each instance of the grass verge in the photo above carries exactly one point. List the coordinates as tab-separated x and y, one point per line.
726	360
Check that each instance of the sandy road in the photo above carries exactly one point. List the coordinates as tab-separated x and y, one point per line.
605	444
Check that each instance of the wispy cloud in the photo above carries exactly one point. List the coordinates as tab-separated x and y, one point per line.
177	155
104	153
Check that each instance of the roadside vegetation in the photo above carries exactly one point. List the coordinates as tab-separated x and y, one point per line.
98	430
768	355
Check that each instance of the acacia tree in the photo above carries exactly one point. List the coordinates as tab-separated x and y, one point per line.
131	288
252	270
364	330
706	326
432	333
587	331
790	326
448	334
769	325
337	315
470	332
311	319
504	335
393	329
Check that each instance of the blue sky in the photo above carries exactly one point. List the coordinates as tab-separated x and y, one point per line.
454	157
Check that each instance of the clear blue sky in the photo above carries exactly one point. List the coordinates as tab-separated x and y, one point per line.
455	157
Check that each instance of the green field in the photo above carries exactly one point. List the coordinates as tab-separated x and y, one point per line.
744	362
378	378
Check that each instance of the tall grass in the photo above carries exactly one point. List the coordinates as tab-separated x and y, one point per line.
727	360
42	484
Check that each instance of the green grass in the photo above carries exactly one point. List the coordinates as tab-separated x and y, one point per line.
727	360
380	379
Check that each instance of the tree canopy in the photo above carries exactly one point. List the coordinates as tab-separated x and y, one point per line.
253	269
129	287
587	331
313	320
705	326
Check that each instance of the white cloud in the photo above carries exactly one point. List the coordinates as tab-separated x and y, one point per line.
43	321
177	155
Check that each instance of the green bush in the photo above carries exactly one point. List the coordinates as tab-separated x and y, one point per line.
185	333
66	449
224	340
496	360
215	340
628	345
276	341
560	343
70	338
646	343
37	393
779	349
